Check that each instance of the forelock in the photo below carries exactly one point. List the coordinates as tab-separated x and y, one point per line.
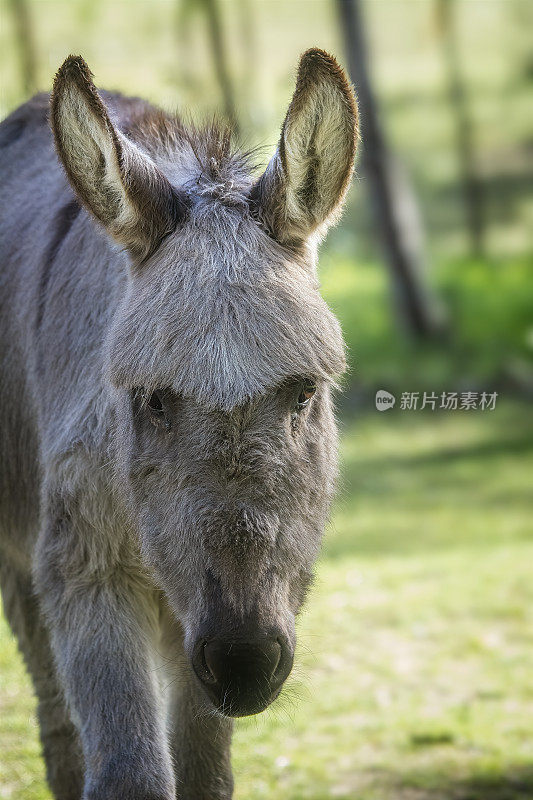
222	314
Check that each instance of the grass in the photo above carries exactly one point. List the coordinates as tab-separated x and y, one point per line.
413	678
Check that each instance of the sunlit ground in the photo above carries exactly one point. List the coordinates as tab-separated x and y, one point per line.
413	680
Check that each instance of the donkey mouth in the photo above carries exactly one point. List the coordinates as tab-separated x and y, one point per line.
239	705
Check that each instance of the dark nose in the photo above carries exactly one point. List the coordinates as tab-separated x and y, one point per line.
242	678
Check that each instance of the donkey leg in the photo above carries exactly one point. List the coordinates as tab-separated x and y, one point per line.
201	747
102	621
59	737
200	739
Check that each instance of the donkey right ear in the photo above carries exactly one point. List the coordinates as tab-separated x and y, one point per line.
117	182
304	185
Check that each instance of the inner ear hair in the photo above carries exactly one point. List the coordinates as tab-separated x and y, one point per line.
114	179
305	183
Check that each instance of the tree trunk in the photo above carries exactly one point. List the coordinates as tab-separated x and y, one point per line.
395	210
25	44
247	35
472	192
220	61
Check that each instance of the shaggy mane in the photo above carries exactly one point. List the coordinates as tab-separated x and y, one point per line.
221	169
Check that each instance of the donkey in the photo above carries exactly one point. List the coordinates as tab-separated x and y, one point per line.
168	446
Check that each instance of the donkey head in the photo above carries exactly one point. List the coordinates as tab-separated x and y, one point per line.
220	360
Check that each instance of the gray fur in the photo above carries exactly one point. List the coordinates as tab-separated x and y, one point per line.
127	536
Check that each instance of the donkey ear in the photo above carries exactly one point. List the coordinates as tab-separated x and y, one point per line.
118	183
308	176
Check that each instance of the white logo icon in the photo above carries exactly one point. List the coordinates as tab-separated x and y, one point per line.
384	400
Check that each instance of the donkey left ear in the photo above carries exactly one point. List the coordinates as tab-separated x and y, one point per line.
117	182
305	182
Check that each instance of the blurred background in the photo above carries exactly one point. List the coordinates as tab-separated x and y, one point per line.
413	680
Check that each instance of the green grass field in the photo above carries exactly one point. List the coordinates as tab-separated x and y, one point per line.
413	677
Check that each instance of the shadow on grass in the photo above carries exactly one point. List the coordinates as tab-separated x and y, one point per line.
487	449
418	485
515	783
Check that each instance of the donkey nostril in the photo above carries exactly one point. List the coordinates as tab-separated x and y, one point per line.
241	664
280	663
208	674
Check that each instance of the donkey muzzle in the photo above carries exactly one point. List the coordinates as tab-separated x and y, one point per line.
242	678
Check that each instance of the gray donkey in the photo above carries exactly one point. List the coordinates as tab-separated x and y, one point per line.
167	438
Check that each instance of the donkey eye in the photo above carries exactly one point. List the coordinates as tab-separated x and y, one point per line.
307	392
154	404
